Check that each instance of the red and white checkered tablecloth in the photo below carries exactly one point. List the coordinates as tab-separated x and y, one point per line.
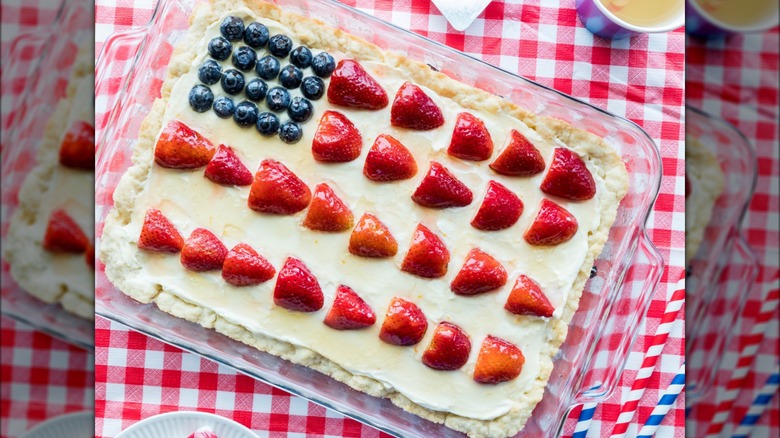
640	79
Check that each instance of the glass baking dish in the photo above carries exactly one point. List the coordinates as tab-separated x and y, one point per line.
613	305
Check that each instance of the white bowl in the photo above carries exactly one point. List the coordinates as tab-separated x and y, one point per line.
183	424
73	425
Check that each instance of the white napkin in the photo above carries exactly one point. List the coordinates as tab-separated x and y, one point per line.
461	13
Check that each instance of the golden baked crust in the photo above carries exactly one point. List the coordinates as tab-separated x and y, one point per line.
706	180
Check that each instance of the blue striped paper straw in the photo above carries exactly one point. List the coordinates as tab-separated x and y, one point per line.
664	404
583	422
759	405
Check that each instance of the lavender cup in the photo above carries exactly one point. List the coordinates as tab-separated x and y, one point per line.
600	21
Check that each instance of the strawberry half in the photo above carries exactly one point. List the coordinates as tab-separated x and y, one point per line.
527	298
413	109
569	177
78	147
89	256
276	190
203	432
349	311
498	361
470	139
500	209
63	234
404	323
297	289
336	140
553	225
243	266
226	168
480	273
449	348
203	251
389	160
371	238
158	234
328	212
427	256
180	147
350	85
519	158
441	189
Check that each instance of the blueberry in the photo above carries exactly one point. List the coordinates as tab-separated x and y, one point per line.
267	124
224	107
277	99
268	67
256	89
245	113
280	45
232	28
209	72
256	35
290	77
300	109
232	81
244	58
220	48
290	132
323	64
201	98
301	57
312	87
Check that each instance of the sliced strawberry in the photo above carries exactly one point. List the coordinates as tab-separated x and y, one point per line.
568	177
350	85
527	298
226	168
427	256
180	147
328	212
297	289
519	158
336	139
63	234
441	189
449	348
500	209
78	147
243	266
203	251
389	160
349	311
480	273
158	234
470	139
553	225
276	190
404	323
371	238
203	432
413	109
498	361
89	256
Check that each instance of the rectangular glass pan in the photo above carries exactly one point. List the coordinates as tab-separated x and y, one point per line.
612	307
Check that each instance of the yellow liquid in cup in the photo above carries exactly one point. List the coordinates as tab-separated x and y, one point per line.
645	13
739	12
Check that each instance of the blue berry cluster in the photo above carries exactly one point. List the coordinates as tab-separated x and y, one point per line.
255	91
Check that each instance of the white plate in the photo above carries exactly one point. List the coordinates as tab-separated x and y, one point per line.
183	424
75	425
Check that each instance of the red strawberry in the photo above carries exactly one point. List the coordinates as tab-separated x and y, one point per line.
328	212
158	234
371	238
350	85
203	432
336	139
89	256
180	147
553	225
413	109
470	139
297	289
226	168
687	187
427	256
499	210
63	234
480	273
389	160
440	189
349	311
527	298
449	348
404	323
276	190
203	251
519	158
568	177
498	361
243	266
78	147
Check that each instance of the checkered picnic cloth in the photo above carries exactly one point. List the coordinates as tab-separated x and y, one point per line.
640	79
